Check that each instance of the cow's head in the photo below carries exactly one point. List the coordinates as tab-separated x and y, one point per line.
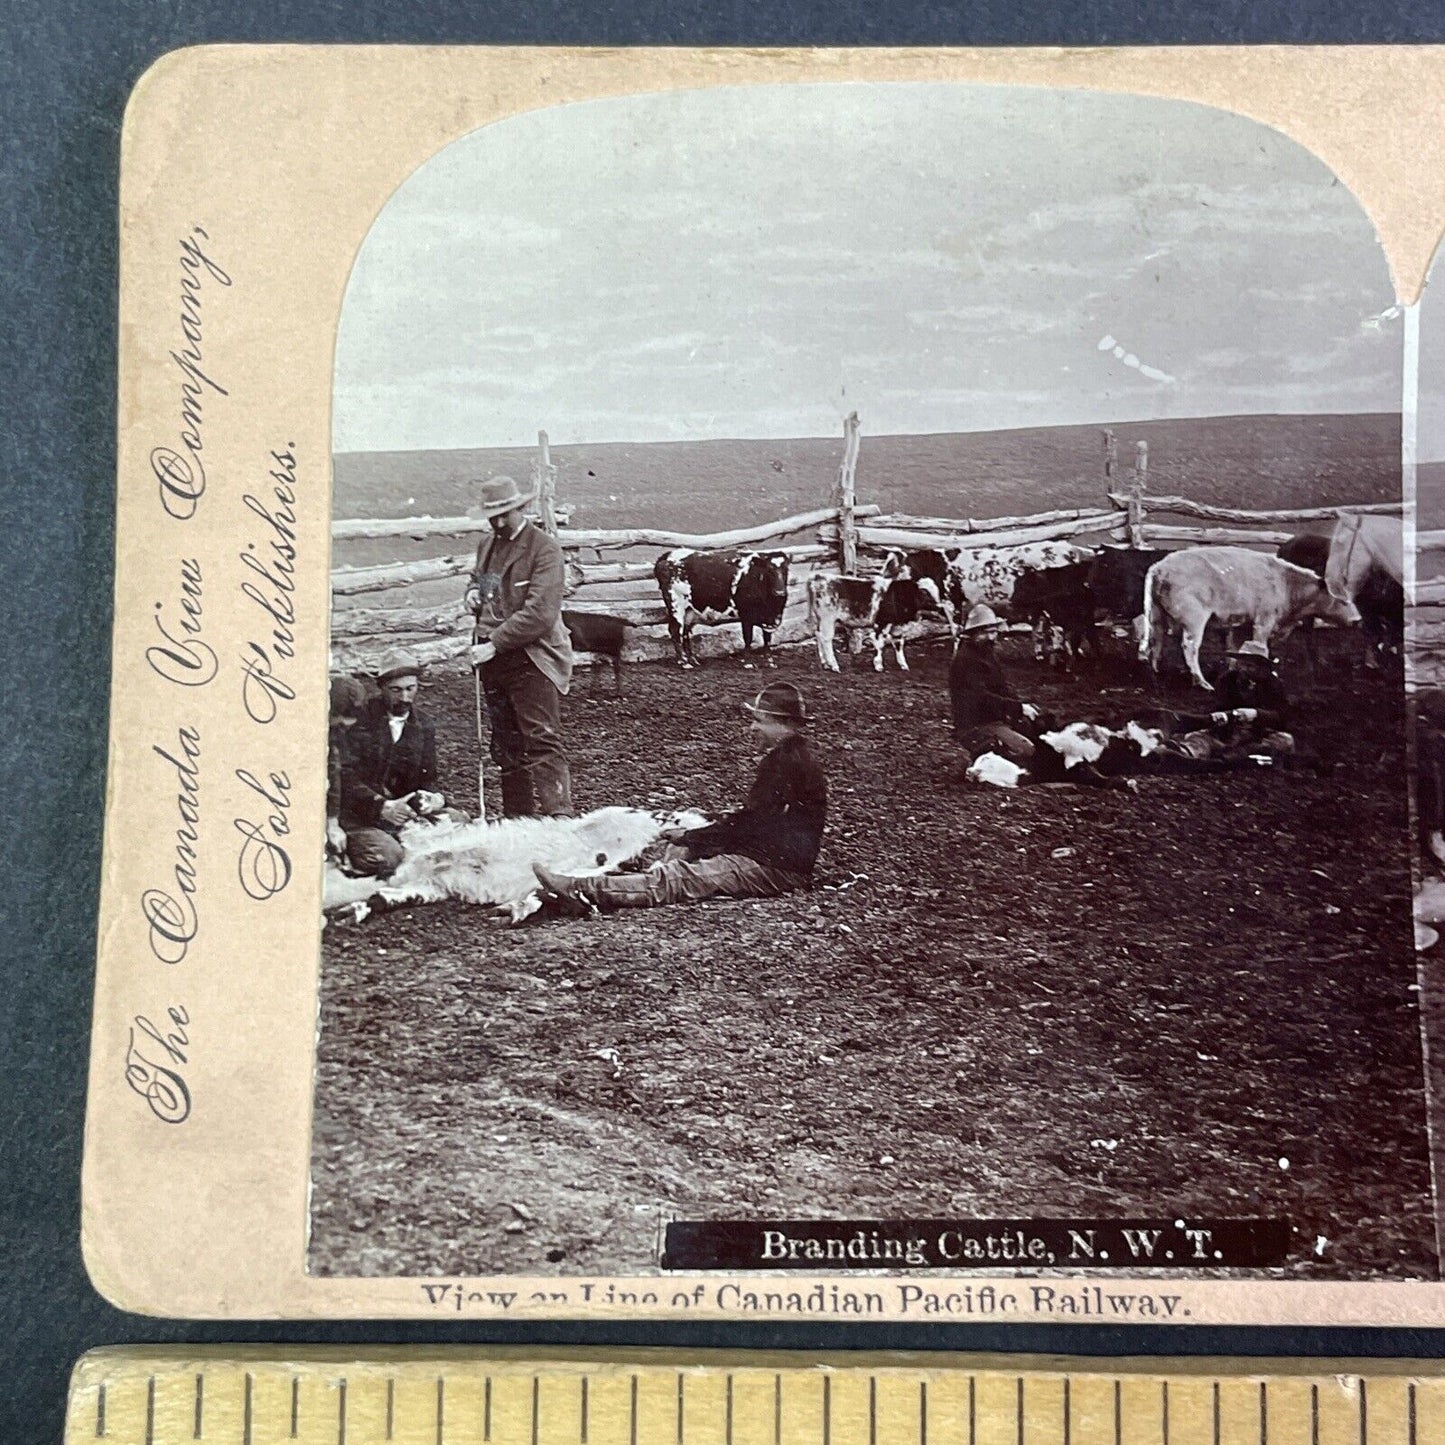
996	771
895	564
1341	611
775	574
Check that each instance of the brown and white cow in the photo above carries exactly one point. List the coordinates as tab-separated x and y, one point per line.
885	604
953	579
750	588
1235	587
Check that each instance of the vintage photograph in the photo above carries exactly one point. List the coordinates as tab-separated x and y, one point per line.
867	683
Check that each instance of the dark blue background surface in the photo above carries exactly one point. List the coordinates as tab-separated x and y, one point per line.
66	68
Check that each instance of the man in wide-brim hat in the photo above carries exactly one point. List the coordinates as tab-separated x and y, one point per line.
522	648
388	769
767	847
988	715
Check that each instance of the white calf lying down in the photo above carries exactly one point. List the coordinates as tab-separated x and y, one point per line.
491	863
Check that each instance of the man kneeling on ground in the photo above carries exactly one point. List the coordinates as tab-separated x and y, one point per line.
389	772
766	848
988	715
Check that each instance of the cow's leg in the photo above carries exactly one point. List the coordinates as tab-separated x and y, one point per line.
1041	629
747	626
688	623
674	631
617	674
880	638
768	659
898	649
826	656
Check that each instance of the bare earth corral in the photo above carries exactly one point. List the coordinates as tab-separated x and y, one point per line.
1055	1002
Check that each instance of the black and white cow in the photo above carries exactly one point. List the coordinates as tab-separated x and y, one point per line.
885	604
959	577
750	588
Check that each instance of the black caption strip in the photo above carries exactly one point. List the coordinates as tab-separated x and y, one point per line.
982	1244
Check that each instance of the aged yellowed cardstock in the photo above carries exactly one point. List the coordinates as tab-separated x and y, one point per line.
1011	1047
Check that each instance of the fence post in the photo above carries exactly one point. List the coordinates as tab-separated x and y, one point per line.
1136	495
845	499
544	476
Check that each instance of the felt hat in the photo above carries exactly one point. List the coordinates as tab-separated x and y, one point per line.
1254	649
981	615
501	494
780	701
398	664
347	695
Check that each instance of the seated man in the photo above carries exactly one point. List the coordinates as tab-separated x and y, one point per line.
347	696
389	771
765	848
987	714
1253	716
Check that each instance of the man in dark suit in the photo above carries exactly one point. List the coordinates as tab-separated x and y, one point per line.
389	773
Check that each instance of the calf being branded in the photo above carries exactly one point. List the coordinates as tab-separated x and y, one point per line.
491	863
886	604
954	579
749	588
1235	587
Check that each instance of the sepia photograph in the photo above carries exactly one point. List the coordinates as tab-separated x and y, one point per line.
868	686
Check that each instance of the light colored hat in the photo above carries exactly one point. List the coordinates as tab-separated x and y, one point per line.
398	664
982	615
782	701
1254	649
501	494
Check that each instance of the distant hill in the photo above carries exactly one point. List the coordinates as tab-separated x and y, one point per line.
1248	461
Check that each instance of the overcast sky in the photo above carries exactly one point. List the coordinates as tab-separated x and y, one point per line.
757	262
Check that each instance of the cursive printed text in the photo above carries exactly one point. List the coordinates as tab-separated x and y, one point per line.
153	1063
270	586
182	656
263	864
170	913
180	470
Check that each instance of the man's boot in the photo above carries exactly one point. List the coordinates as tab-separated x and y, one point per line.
609	891
552	786
517	799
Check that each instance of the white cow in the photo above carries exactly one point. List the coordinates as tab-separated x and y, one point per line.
491	863
1235	587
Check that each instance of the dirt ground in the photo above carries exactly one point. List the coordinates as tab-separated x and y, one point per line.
1197	999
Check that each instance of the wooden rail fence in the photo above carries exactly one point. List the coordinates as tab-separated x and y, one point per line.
849	538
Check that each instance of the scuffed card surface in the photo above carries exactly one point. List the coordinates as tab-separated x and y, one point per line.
1101	1000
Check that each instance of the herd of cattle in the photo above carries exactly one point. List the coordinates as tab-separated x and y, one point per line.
1063	591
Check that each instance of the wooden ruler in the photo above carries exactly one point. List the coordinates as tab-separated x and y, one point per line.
496	1396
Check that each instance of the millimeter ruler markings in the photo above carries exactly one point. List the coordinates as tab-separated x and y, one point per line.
495	1396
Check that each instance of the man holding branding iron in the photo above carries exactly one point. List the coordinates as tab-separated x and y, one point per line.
523	652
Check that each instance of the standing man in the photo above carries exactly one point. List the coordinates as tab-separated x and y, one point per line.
524	653
988	716
389	771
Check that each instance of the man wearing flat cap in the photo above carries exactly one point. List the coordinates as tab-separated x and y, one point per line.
523	651
765	848
389	770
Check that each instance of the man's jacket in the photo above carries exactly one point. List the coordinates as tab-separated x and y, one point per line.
978	689
520	581
781	823
374	769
